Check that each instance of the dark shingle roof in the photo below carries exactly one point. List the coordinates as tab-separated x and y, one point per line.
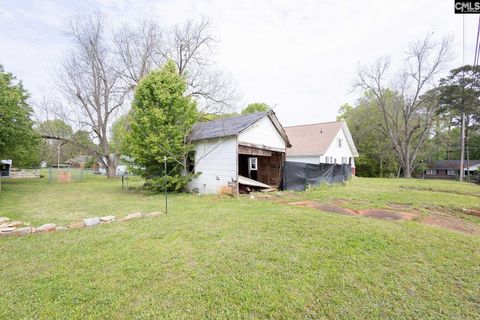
224	127
450	164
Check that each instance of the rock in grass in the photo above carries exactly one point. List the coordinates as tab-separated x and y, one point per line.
76	225
62	228
24	231
6	229
90	222
4	219
153	214
48	227
11	224
107	219
131	216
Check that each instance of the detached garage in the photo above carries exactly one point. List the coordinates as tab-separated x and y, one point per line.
244	150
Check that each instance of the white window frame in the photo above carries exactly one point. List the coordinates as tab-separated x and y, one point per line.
451	172
431	172
253	164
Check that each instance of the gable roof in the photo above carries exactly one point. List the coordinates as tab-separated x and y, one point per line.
232	126
315	139
452	164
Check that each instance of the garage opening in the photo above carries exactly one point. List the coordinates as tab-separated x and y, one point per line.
262	165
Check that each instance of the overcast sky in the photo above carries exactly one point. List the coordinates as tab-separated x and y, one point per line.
298	56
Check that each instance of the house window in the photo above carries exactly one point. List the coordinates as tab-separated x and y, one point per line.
431	172
340	142
451	172
344	160
252	163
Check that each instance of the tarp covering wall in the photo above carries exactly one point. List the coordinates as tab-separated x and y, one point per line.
298	175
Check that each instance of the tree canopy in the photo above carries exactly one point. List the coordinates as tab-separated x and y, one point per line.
64	143
377	157
161	119
408	109
256	107
18	140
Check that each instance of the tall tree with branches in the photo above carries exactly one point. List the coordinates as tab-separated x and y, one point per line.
90	80
407	117
161	119
190	46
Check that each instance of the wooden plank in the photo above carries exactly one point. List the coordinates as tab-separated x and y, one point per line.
253	183
261	146
253	151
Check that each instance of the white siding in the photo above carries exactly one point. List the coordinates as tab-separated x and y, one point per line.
304	159
216	159
338	152
263	133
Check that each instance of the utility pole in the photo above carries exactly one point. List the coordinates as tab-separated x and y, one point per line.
462	147
58	156
462	131
165	183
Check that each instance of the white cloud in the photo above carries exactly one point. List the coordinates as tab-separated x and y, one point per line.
298	55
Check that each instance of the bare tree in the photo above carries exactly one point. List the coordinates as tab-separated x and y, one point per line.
90	80
191	46
102	68
408	108
139	50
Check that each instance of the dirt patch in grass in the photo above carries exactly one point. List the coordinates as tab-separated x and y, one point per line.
324	207
435	218
383	214
465	193
399	206
451	223
386	214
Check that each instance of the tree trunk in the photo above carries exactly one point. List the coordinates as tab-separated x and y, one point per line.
381	167
111	167
407	173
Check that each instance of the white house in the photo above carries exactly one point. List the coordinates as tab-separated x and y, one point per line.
236	150
328	142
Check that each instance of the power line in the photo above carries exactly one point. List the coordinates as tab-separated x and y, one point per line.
477	51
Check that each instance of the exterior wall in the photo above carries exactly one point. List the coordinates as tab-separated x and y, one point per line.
337	152
216	159
441	174
263	133
304	159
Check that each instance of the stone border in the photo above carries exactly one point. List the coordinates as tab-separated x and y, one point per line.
19	228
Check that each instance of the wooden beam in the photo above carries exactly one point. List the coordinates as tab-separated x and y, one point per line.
253	151
261	147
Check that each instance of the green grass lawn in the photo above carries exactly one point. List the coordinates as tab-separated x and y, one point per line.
222	257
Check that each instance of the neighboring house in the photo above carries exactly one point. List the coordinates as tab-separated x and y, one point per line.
79	161
329	142
231	149
450	169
